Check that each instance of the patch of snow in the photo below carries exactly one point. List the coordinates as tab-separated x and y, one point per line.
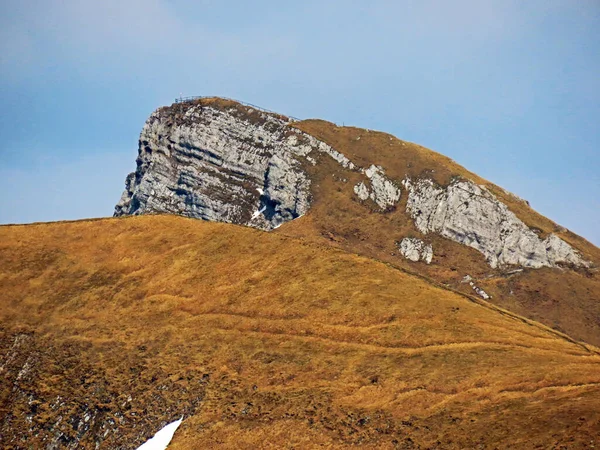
260	191
162	438
259	212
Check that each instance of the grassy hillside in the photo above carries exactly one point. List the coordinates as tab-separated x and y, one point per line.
567	300
111	328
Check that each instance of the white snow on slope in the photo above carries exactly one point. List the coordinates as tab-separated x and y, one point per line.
161	439
258	213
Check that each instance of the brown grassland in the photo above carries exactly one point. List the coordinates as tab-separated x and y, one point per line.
267	341
567	300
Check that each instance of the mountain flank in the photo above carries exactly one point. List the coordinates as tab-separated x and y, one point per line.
369	193
112	328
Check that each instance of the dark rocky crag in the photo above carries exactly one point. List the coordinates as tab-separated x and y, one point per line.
110	390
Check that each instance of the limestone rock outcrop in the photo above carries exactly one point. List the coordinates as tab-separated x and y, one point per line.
415	250
217	164
221	161
471	215
383	191
468	279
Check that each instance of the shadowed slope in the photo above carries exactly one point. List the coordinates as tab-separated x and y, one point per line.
112	328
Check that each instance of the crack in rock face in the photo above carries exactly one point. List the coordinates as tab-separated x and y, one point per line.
471	215
212	164
415	250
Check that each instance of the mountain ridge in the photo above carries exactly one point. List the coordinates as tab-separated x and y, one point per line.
467	295
360	291
217	159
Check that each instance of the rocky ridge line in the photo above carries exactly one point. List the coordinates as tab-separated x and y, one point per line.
248	167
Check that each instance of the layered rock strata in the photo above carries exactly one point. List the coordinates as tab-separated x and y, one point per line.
234	164
204	162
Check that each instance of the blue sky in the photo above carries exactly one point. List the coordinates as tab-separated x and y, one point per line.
509	89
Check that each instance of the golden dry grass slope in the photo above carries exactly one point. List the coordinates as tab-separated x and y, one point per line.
566	299
110	328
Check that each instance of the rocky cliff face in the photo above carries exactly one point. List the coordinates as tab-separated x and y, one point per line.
222	165
220	161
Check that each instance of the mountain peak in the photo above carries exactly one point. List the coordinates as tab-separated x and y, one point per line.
365	191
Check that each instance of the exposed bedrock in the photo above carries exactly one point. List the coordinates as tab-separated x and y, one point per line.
415	250
471	215
203	162
239	165
383	190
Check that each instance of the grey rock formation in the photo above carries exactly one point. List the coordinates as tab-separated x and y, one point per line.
473	216
415	250
239	165
383	191
362	191
484	295
220	165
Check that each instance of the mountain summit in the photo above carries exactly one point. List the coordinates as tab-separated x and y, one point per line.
369	193
361	292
